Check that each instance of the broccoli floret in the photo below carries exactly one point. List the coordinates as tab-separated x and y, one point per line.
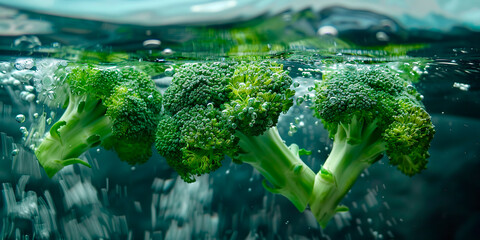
231	109
110	107
368	110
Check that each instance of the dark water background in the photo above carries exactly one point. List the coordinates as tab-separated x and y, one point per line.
115	201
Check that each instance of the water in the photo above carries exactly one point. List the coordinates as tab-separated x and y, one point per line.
113	200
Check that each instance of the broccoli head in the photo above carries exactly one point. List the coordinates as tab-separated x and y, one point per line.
231	109
368	110
115	108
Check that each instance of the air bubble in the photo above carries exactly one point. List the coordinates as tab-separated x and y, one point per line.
293	128
297	120
382	36
300	100
21	64
30	97
29	88
20	118
265	105
296	84
152	43
15	152
24	131
327	31
169	71
167	51
306	74
210	106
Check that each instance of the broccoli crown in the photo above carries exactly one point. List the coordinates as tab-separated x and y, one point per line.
378	94
198	84
208	103
132	104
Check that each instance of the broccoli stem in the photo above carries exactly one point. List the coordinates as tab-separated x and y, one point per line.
280	165
82	126
356	146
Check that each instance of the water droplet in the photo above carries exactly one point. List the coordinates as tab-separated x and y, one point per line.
35	115
49	121
20	118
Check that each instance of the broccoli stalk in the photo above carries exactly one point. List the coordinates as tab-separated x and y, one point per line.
83	125
280	165
356	146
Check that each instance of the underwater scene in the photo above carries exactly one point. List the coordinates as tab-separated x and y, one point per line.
240	119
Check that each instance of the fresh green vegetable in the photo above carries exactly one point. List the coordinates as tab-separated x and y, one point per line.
368	110
114	108
232	108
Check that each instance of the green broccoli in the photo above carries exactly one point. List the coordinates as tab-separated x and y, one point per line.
213	110
114	108
368	110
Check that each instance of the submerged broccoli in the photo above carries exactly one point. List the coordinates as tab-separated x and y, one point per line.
114	108
218	109
368	111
